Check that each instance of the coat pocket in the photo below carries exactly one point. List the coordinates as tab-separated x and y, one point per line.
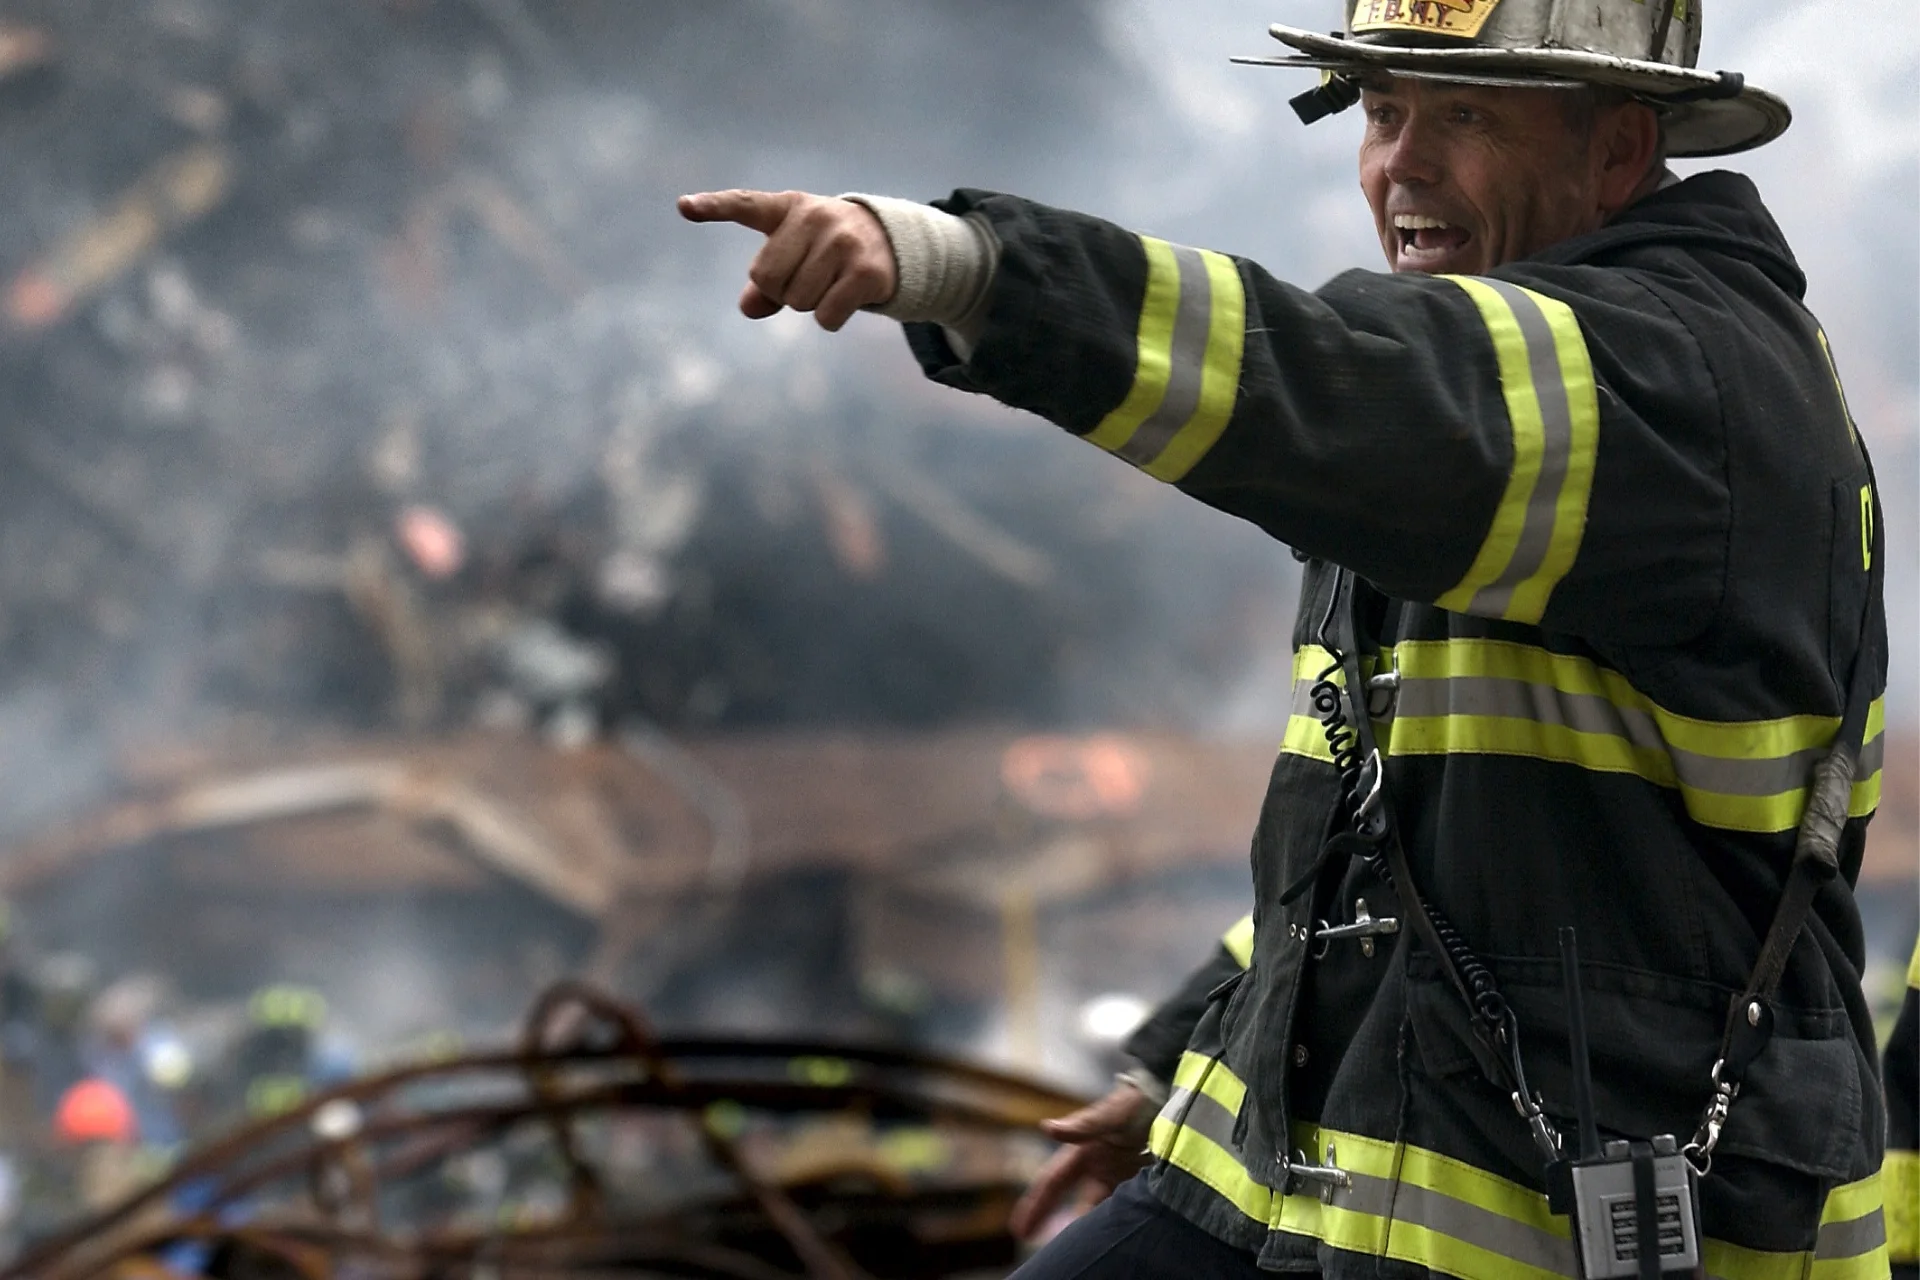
1652	1042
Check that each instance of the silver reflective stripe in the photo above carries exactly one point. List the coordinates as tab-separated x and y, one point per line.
1476	1226
1591	713
1852	1238
1556	420
1303	697
1873	755
1192	323
1401	1202
1767	777
1524	700
1205	1117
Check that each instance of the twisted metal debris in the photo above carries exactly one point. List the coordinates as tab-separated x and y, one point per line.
353	1181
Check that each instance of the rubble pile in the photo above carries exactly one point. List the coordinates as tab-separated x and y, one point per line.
360	375
595	1148
409	564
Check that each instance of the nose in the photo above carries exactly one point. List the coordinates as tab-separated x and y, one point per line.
1413	159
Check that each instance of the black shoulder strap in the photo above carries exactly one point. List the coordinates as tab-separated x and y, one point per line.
1816	850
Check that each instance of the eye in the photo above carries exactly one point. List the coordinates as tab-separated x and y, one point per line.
1461	113
1382	115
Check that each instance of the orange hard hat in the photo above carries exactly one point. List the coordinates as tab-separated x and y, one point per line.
94	1111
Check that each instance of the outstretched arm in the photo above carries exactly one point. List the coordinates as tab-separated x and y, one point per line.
1483	444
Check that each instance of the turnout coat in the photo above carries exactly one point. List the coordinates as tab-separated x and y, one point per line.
1615	524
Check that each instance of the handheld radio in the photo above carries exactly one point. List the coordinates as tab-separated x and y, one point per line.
1634	1204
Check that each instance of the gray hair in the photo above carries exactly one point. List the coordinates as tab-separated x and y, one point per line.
1582	108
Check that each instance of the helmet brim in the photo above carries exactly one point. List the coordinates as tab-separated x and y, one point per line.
1695	125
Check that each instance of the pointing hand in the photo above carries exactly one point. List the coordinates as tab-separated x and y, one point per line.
823	254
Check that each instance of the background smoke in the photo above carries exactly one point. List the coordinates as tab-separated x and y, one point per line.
447	275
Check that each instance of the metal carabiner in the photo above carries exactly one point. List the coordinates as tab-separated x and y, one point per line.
1699	1152
1364	927
1388	683
1325	1177
1369	812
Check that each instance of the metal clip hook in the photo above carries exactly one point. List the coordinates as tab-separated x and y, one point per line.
1545	1136
1388	683
1325	1177
1369	813
1364	927
1699	1152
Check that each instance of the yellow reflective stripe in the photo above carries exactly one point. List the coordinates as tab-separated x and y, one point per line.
1731	1262
1570	507
1191	341
1304	735
1433	1211
1901	1176
1193	1152
1866	527
1154	360
1203	1158
1913	969
1833	368
1853	1233
1432	1171
1529	442
1866	1266
1553	413
1854	1200
1752	739
1220	377
1429	1248
1497	697
1864	798
1507	736
1239	941
1212	1077
1419	1206
1852	1244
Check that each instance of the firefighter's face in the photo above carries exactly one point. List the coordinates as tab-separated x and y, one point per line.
1463	178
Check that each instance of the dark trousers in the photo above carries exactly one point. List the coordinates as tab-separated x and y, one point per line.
1132	1236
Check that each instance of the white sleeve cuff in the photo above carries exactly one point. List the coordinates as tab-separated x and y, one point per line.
946	266
1152	1087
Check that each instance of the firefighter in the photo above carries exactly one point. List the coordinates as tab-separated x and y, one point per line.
1590	635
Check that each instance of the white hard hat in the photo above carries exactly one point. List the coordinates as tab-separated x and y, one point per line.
1646	47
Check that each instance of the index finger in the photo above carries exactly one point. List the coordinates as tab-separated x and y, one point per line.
763	211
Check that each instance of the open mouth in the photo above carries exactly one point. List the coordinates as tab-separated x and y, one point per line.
1423	237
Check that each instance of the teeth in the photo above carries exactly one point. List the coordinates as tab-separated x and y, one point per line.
1418	222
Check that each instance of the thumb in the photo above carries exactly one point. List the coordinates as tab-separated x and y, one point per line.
762	211
1088	1122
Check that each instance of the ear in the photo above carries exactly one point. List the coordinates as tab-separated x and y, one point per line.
1626	141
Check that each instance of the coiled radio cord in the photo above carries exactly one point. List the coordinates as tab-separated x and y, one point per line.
1493	1017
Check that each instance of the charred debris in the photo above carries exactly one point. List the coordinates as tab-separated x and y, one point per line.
415	586
596	1148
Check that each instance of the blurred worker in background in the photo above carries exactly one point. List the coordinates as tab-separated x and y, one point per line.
96	1126
123	1034
65	986
279	1059
1590	633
